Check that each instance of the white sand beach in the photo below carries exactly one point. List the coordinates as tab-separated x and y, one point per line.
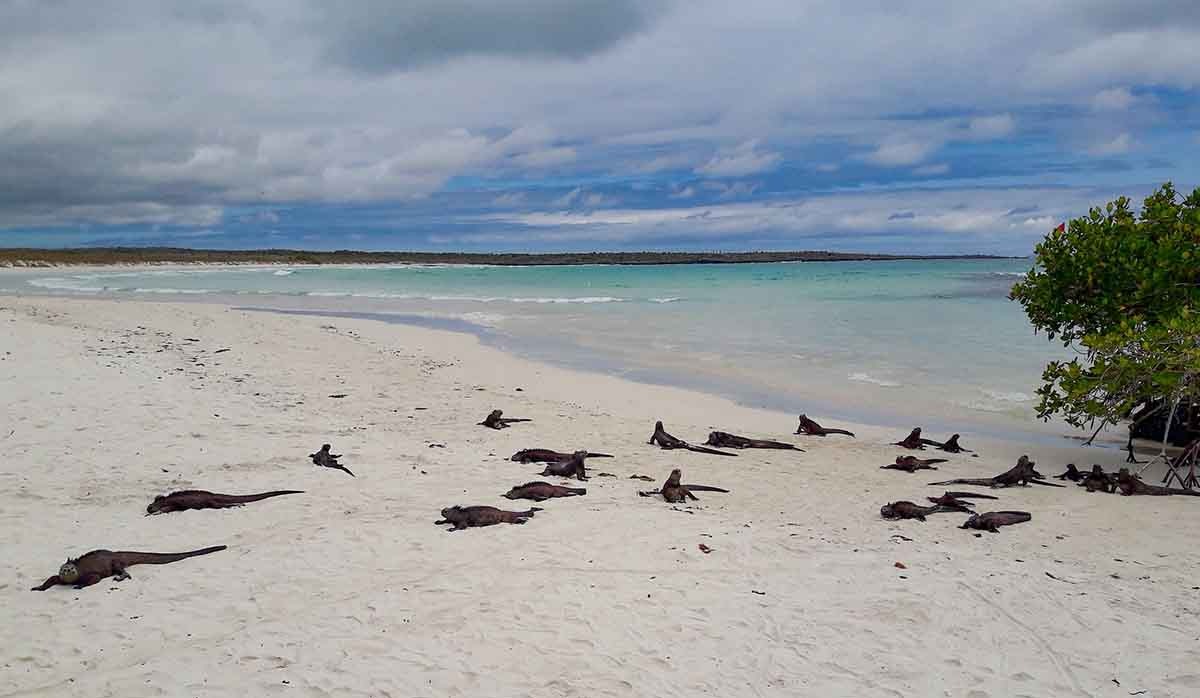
350	589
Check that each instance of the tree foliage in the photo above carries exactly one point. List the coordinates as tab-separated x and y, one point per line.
1122	288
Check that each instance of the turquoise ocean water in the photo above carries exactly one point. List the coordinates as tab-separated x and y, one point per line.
931	343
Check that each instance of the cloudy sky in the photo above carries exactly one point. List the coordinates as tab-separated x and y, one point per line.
915	125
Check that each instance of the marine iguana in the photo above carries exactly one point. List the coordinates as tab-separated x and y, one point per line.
325	459
995	519
467	517
909	510
1020	474
1129	485
1099	480
675	492
1073	474
911	464
727	440
540	491
200	499
90	568
494	420
915	442
811	428
570	468
959	498
951	446
668	442
545	455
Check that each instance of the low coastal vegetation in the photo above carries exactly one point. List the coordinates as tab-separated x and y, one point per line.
178	255
1123	289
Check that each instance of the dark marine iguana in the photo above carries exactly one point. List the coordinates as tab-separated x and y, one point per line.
90	568
570	468
545	455
909	510
540	491
1073	474
811	428
1020	474
1097	479
727	440
494	420
325	459
995	519
668	442
1129	484
951	446
959	498
468	517
911	464
915	442
675	492
200	499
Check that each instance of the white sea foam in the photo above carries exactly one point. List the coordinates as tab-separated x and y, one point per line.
1008	397
284	272
865	378
666	300
536	299
998	402
485	319
174	291
540	300
63	284
55	282
583	299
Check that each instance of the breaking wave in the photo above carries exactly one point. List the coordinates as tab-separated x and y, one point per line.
866	378
995	401
169	291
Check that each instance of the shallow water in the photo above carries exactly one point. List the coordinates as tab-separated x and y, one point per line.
905	342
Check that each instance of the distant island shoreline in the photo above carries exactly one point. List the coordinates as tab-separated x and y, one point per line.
123	256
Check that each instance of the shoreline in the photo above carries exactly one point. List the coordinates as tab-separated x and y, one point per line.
577	358
349	588
25	258
567	355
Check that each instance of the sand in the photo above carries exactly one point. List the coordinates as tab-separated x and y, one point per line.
351	590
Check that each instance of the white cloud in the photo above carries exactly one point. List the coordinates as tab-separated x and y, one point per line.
1122	143
745	159
1039	222
596	200
580	198
685	193
121	114
550	157
664	162
730	191
990	127
1113	99
971	213
899	152
509	199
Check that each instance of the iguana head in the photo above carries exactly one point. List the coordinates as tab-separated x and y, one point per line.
68	573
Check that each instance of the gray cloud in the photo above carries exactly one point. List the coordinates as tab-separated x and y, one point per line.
133	111
943	215
379	36
745	159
